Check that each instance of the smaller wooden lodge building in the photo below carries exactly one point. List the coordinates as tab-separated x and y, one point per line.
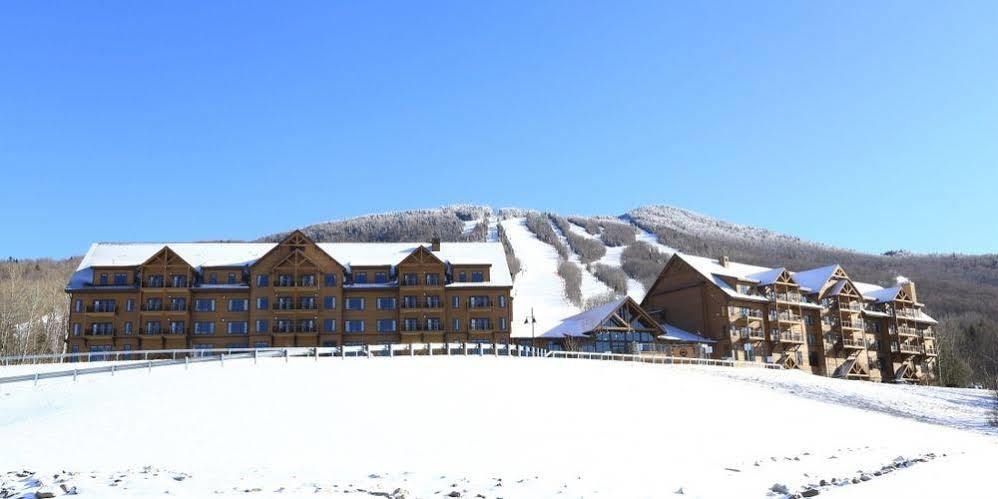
622	326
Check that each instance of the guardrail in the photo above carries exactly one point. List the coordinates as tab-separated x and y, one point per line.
659	359
140	358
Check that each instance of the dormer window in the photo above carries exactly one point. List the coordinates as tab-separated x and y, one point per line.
360	278
380	277
478	276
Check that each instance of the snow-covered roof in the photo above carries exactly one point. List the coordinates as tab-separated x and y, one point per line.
673	333
811	280
883	294
584	322
814	279
201	255
767	277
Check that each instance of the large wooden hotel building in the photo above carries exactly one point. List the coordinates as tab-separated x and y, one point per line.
817	320
293	293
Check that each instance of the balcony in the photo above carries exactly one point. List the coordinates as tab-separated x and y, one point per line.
786	337
931	351
99	333
428	305
857	325
907	312
906	348
296	283
740	315
850	306
928	333
907	331
422	329
294	330
480	305
102	309
751	334
851	344
291	307
786	318
785	297
163	332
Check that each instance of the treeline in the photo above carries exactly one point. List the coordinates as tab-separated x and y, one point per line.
34	305
588	249
447	223
540	225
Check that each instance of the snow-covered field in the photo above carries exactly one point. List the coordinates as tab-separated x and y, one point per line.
490	427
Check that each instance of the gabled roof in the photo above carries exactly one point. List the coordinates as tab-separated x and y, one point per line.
714	273
245	254
580	324
815	279
767	277
883	294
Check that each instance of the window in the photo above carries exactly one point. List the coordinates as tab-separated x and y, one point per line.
809	320
128	328
262	280
153	327
308	280
204	305
285	303
212	278
479	324
261	326
380	277
432	279
386	325
155	281
232	277
154	304
178	304
262	303
306	303
237	327
360	278
120	279
78	306
204	327
329	302
386	303
502	324
355	304
129	305
456	325
306	326
354	326
283	326
479	302
177	327
433	301
103	279
410	325
238	305
329	325
462	277
433	324
409	302
330	280
410	280
749	352
76	329
502	301
455	302
285	280
104	306
478	276
178	281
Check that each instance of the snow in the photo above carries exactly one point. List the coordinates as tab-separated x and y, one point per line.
538	285
591	286
239	254
432	425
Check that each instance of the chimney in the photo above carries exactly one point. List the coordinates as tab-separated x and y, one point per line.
909	287
723	260
435	244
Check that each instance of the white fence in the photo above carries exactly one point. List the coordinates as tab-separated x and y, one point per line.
140	359
148	359
659	359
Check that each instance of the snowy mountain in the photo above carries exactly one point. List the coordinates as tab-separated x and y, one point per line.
453	426
615	254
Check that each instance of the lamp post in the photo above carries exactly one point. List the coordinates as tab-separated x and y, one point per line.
532	320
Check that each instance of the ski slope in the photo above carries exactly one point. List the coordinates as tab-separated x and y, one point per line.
490	426
537	286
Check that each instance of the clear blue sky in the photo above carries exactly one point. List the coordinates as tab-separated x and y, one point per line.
869	125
